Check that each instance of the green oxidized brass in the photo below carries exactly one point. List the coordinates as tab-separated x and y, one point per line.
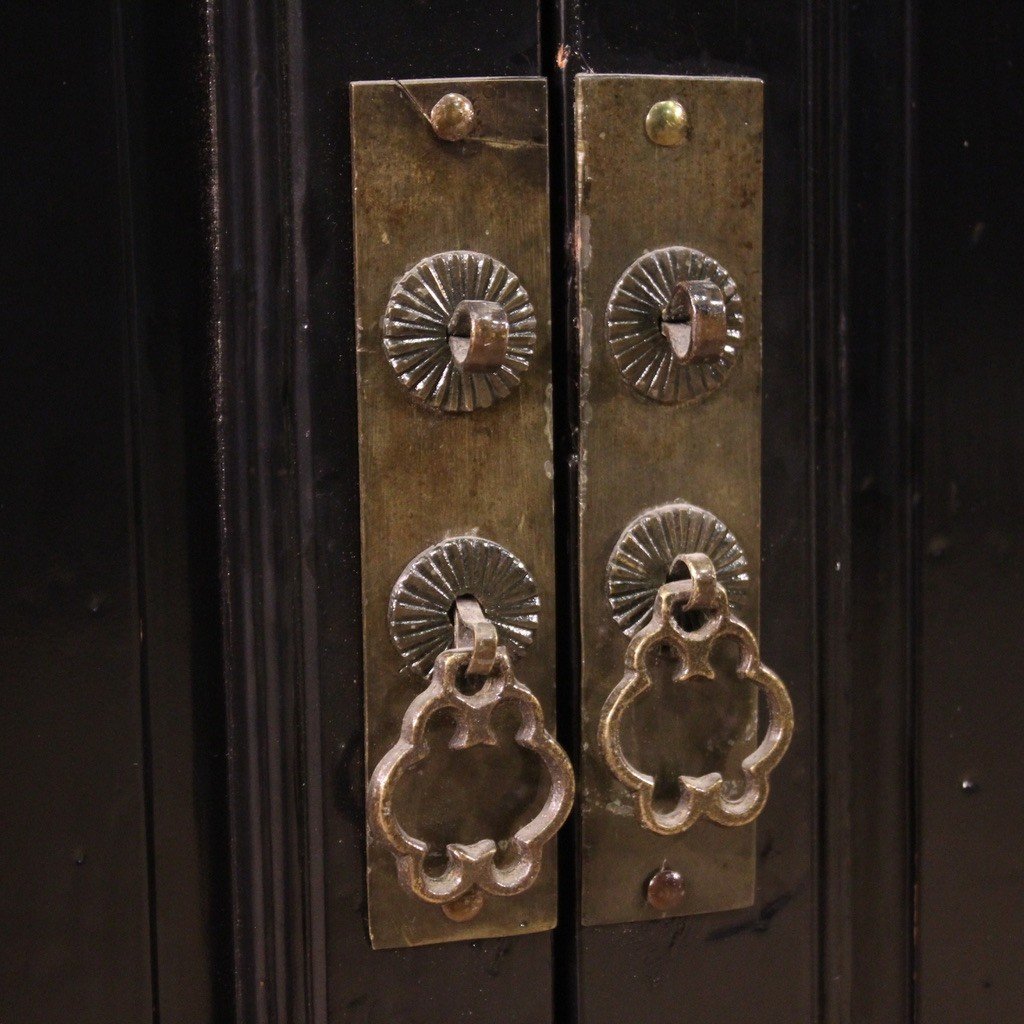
450	449
670	423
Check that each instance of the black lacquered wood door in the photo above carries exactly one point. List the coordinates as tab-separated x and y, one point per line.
848	462
591	974
180	618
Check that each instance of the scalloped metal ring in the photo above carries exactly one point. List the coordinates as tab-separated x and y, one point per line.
416	330
647	548
419	612
642	353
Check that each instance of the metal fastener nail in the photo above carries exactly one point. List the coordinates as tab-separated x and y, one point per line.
464	907
453	117
666	891
667	123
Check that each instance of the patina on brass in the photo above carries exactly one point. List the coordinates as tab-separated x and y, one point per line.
682	431
452	117
665	891
478	335
675	324
694	322
427	474
666	123
470	681
704	795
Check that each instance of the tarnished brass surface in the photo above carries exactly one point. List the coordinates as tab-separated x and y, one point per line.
638	453
691	646
479	866
695	322
478	335
667	123
452	117
427	474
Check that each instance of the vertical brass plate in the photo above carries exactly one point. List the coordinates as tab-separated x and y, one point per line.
633	197
426	475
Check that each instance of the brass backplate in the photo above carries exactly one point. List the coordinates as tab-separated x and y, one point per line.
634	196
426	474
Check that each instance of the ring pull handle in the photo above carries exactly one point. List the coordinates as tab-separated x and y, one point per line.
470	680
700	796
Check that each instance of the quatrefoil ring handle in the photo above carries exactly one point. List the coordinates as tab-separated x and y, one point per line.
672	626
470	680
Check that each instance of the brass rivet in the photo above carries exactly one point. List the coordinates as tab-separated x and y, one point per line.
453	117
464	907
666	891
667	123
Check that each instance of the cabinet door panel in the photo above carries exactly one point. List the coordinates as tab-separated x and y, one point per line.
760	962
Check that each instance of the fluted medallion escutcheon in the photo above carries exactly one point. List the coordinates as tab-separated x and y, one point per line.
640	349
417	325
419	612
647	548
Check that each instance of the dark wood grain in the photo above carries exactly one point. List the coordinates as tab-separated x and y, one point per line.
74	903
967	269
166	170
876	743
114	850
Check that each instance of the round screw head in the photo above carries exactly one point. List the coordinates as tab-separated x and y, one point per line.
666	891
667	123
453	117
464	907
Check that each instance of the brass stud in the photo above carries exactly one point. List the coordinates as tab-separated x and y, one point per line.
464	907
666	891
453	117
667	123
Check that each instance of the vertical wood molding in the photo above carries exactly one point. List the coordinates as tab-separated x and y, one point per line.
273	751
829	411
165	171
286	416
877	751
